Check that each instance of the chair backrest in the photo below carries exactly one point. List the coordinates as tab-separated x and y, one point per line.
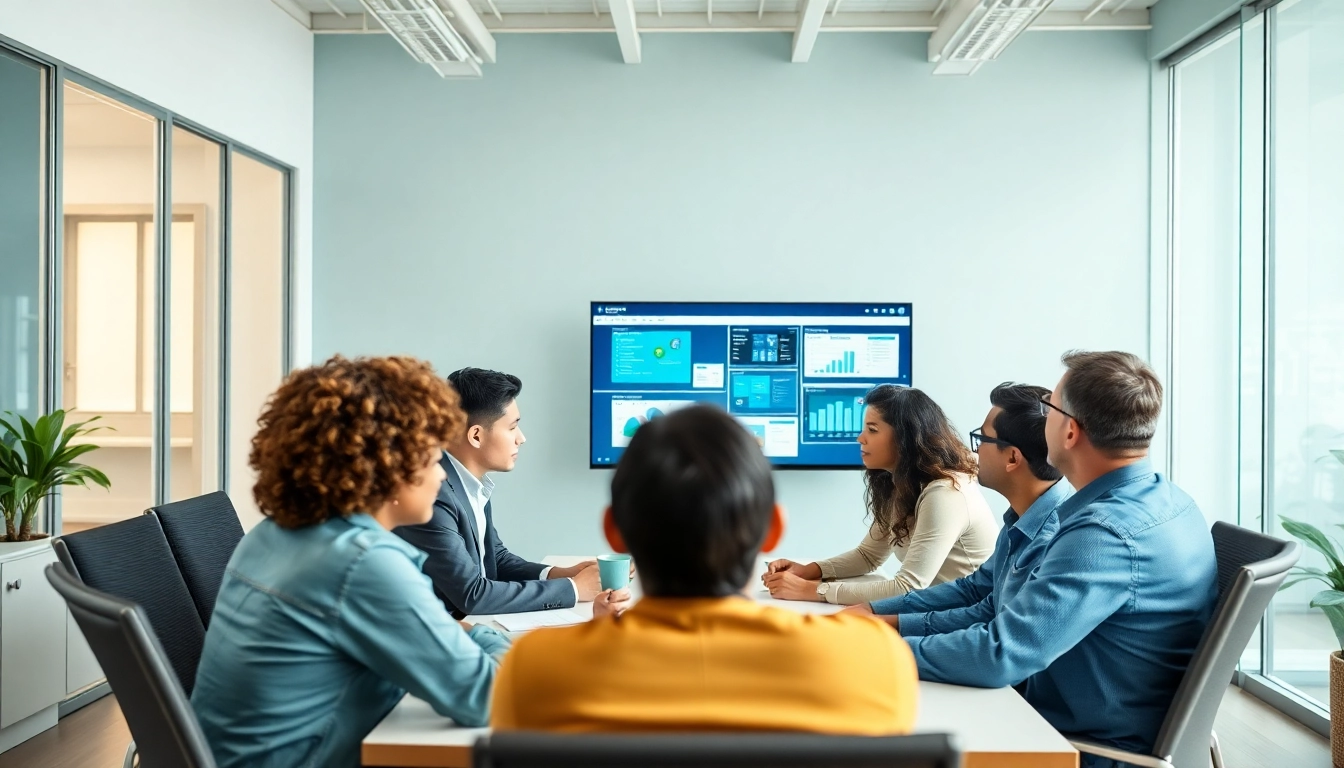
131	560
162	723
1251	566
530	749
202	533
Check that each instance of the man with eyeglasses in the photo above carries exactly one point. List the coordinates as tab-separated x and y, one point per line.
1101	632
1012	451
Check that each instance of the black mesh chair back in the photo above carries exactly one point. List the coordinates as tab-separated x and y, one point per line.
131	560
202	533
528	749
161	720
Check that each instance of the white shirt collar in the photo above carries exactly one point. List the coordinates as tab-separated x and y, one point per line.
479	489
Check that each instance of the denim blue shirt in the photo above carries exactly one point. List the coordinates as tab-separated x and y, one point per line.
1103	629
971	599
317	633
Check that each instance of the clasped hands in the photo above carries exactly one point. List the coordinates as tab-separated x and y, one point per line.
787	580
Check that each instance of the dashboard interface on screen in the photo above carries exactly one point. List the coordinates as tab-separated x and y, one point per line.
794	375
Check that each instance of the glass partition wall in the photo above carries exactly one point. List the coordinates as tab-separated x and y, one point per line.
126	234
1256	320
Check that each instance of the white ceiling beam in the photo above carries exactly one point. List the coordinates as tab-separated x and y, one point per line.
809	24
469	25
1095	9
296	11
623	19
748	21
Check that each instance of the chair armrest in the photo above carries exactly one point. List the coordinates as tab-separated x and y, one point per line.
1146	761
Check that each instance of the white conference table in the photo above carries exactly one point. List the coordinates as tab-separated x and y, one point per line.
995	728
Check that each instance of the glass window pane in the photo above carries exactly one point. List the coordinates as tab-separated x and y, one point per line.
1204	404
256	316
1307	325
181	322
1252	394
109	186
22	158
194	352
106	266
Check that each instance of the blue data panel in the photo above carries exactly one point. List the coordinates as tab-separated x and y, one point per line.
794	375
651	357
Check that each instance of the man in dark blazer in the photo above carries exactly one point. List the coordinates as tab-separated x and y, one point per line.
473	572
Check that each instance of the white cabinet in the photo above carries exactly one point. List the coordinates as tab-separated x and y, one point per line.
32	636
81	668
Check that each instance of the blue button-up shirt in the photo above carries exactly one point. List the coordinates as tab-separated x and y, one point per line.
971	600
317	633
1103	629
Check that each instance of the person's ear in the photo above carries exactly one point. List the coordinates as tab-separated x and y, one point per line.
475	435
614	538
775	533
1015	460
1073	434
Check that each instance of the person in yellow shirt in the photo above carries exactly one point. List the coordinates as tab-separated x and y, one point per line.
693	501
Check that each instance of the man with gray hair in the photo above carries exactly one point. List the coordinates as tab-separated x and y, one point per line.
1098	638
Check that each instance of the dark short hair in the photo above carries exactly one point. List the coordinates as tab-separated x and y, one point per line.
692	497
485	394
1020	422
1114	396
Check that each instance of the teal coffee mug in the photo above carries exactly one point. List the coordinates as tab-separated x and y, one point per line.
614	571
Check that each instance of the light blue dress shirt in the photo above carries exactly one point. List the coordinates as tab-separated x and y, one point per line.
317	633
971	599
1103	629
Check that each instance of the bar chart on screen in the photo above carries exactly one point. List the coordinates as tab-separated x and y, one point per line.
833	414
862	355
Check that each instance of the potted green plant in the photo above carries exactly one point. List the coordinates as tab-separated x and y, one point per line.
35	460
1331	603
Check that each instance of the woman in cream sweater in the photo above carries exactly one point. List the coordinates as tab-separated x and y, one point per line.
925	505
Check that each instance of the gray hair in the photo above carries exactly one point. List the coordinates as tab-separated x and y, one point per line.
1114	396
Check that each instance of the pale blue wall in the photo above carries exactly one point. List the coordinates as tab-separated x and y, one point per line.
471	222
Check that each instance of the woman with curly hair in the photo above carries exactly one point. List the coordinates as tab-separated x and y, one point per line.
925	505
324	619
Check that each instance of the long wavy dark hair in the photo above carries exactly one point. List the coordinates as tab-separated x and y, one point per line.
927	449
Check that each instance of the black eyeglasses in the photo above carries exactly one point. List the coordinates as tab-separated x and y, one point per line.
1045	403
978	436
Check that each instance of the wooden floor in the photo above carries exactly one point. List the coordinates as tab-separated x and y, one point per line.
1253	736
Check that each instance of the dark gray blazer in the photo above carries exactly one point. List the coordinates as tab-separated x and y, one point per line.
510	585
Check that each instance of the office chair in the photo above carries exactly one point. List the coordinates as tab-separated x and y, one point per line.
202	533
131	560
161	720
1251	566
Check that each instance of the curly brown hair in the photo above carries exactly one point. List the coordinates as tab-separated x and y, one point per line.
928	449
342	437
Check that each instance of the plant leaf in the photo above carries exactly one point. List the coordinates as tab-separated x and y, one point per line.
68	455
1327	597
1312	537
22	487
1335	613
1299	580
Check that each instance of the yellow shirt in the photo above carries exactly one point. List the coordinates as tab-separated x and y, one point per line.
710	664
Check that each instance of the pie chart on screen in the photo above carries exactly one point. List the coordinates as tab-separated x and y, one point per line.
634	422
